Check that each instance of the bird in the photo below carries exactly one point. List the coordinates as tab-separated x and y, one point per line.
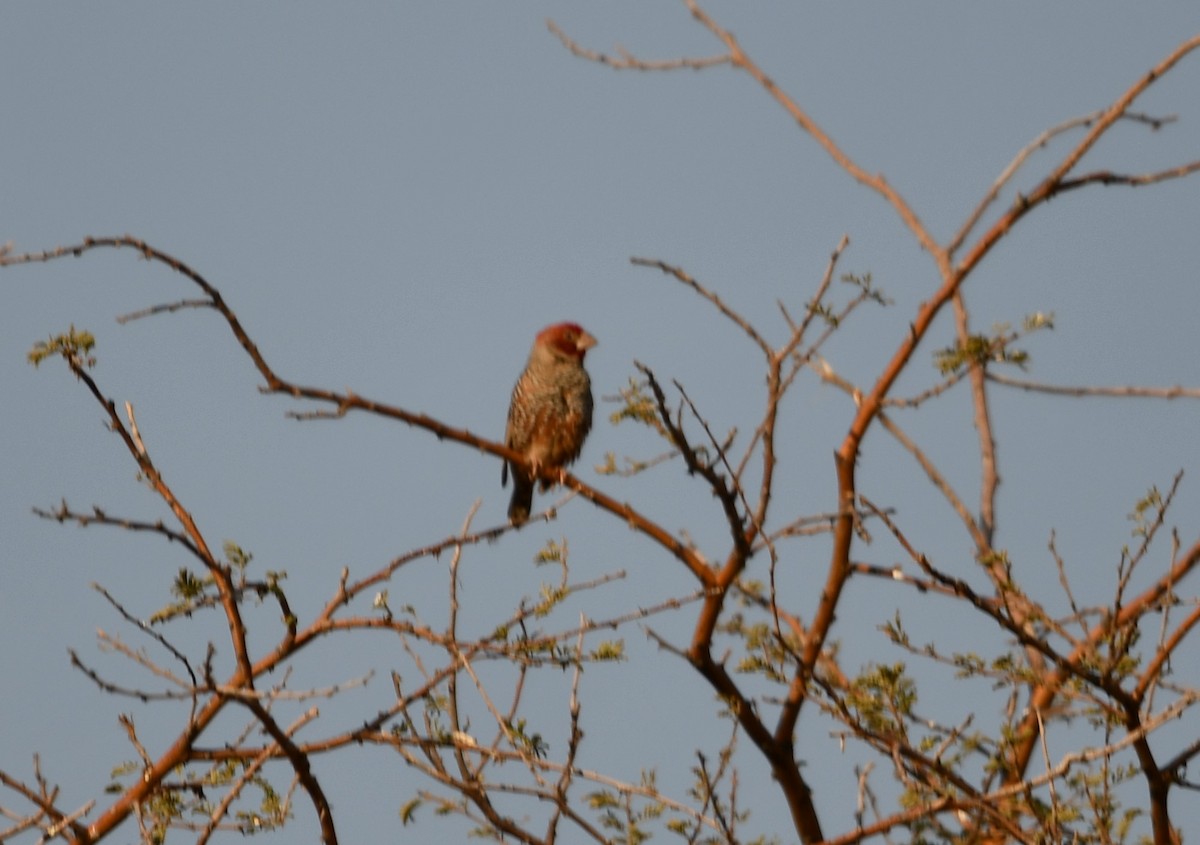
550	414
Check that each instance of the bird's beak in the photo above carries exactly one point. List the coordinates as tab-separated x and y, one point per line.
585	342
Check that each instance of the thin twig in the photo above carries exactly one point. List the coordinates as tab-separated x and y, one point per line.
1124	391
625	61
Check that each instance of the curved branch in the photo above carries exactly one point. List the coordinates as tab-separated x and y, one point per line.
63	513
1037	143
300	764
875	182
348	401
1053	183
728	312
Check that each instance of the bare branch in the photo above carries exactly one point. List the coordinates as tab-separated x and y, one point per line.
875	182
989	478
344	402
1052	183
44	798
168	308
1029	149
1126	391
625	61
1133	180
300	763
733	316
63	513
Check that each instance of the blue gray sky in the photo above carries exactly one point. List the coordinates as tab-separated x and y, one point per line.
394	198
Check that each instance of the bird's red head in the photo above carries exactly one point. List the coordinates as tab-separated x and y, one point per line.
567	338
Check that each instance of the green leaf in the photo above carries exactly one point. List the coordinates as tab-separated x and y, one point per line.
76	346
408	813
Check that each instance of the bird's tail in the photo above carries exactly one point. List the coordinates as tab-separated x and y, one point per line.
522	498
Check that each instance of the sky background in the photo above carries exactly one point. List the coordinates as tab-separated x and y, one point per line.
395	197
